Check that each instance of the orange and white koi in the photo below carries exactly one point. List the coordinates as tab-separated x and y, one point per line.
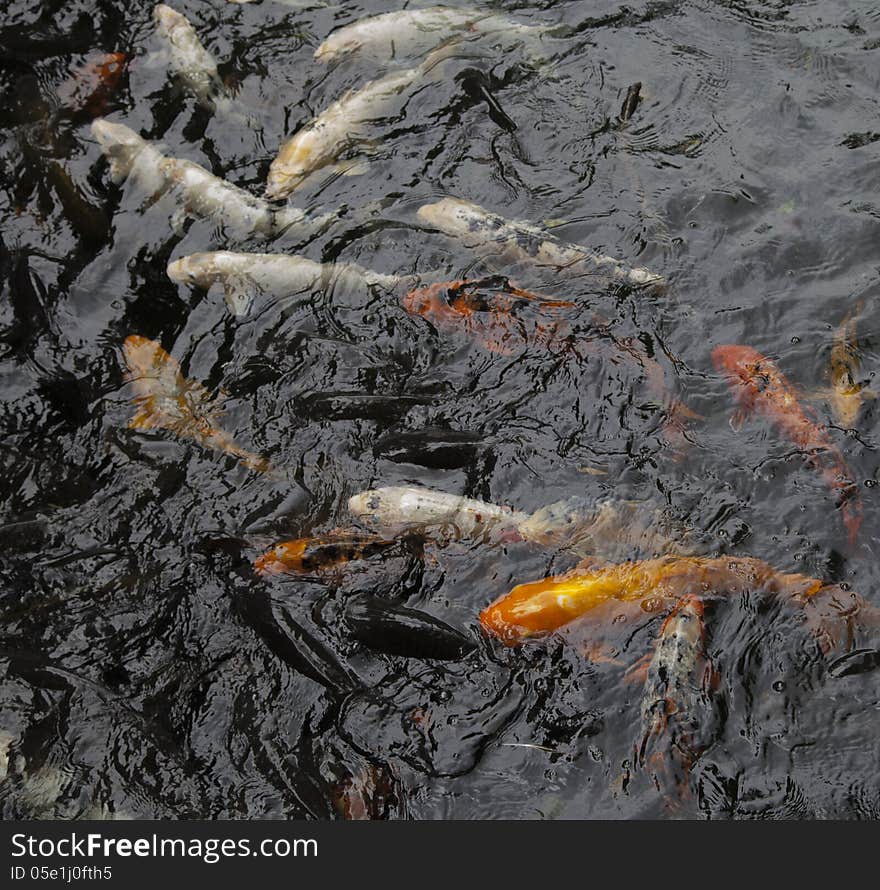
305	556
93	83
759	385
166	400
537	608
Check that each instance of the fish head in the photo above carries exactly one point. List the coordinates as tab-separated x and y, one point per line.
297	158
336	46
448	215
376	506
424	301
195	269
120	144
284	557
738	362
167	20
143	357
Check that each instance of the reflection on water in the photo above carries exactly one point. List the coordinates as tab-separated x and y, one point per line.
148	671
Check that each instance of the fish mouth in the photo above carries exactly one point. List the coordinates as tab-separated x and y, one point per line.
268	565
175	271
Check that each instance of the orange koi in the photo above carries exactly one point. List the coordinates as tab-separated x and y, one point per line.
166	400
306	556
93	83
539	607
483	308
759	385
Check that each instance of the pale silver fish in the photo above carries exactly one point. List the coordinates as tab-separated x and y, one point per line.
295	4
610	530
518	241
346	124
398	509
394	33
243	274
188	58
201	194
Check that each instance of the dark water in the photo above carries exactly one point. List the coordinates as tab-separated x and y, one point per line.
141	672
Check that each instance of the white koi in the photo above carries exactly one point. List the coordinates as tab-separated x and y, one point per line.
345	124
392	33
241	274
520	241
397	509
188	58
201	194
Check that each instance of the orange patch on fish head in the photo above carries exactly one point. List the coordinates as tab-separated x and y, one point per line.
737	361
284	557
143	356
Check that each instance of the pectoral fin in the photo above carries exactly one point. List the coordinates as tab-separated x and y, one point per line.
738	419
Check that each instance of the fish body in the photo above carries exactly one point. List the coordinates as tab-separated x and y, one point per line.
484	309
201	194
609	529
393	33
437	448
240	274
390	32
345	124
166	400
396	509
189	60
540	607
518	241
847	394
677	717
759	385
396	630
306	556
93	83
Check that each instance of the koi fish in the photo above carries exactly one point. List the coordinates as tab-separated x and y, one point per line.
540	607
93	83
518	241
201	194
607	529
243	274
482	308
396	630
677	694
846	394
393	33
166	400
344	124
188	58
369	793
759	385
394	510
305	556
610	529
